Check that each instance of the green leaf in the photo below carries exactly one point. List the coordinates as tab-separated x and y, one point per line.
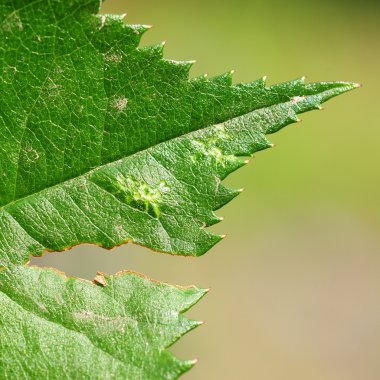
56	327
104	142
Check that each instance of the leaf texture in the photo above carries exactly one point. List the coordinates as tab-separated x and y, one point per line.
54	327
105	142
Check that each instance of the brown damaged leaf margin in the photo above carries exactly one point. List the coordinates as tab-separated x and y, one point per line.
118	274
123	273
203	291
109	249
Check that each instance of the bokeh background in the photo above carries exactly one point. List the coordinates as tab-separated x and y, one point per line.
296	284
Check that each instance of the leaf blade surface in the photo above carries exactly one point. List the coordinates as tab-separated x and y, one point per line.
58	327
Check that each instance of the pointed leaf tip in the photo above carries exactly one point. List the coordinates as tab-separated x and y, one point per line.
143	112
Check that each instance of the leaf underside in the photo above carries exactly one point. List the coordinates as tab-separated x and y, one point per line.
56	327
105	142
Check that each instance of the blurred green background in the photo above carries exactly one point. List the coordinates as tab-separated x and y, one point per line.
295	286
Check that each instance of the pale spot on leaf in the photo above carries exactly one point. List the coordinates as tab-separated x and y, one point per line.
120	104
208	147
12	22
139	193
113	57
297	99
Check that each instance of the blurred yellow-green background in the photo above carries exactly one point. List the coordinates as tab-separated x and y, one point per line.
296	284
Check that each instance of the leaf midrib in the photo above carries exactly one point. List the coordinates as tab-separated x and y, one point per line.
100	167
87	173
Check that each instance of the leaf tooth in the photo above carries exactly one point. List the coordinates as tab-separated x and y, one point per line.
295	86
108	19
251	88
260	83
201	78
182	67
231	166
290	119
285	115
114	27
225	195
186	365
223	79
264	80
190	325
139	29
213	219
210	241
155	51
193	296
121	17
